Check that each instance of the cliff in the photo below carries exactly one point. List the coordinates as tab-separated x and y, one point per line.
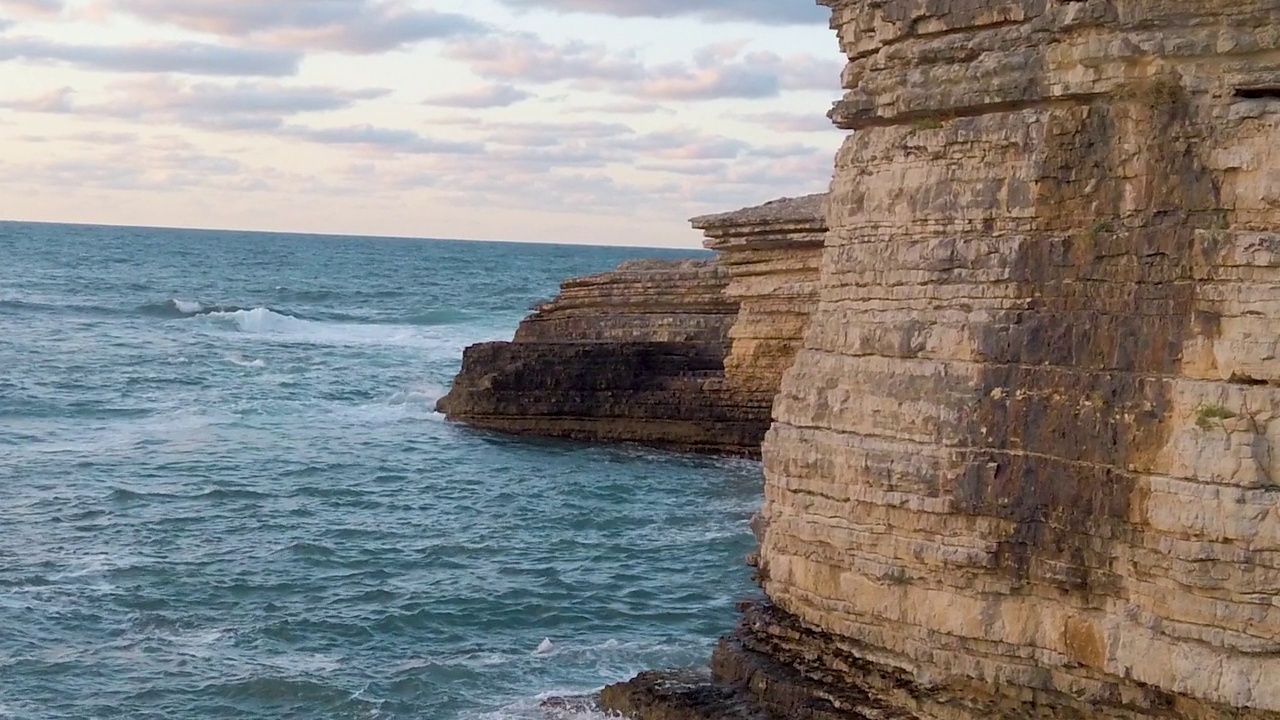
642	301
685	355
1026	463
772	253
635	355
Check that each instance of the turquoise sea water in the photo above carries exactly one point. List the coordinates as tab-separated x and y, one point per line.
224	491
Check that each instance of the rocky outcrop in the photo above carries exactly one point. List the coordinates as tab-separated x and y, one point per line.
687	355
772	253
635	355
1026	464
642	301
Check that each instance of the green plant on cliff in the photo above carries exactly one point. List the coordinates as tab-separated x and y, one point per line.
1208	413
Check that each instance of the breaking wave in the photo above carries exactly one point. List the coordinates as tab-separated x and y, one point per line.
177	308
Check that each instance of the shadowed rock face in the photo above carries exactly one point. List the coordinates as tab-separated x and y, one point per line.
1025	464
635	355
686	355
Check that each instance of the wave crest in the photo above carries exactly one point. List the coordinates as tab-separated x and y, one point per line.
177	308
261	320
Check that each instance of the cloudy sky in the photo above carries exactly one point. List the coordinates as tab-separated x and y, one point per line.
597	121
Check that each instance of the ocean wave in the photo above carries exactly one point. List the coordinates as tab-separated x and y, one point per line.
125	495
261	320
276	325
19	306
426	395
242	361
569	704
267	691
176	308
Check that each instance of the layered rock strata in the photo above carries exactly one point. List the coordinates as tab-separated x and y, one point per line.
687	355
1026	465
635	355
772	253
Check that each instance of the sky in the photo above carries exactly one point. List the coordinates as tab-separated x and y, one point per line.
582	121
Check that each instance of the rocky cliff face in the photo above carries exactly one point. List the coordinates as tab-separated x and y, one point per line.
1028	462
687	355
642	301
635	355
772	253
1025	462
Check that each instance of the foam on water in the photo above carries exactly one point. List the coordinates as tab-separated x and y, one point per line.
187	307
227	492
273	325
244	362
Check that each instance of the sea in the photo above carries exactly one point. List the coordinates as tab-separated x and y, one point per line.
225	491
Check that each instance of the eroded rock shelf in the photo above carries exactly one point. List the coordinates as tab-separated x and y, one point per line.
686	355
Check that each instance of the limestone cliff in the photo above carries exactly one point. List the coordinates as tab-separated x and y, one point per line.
642	301
635	355
659	352
772	253
1026	463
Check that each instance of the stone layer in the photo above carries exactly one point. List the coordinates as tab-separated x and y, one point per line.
687	355
641	301
1024	465
635	355
772	253
666	394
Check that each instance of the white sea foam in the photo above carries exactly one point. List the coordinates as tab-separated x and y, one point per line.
427	394
244	362
187	307
268	323
535	709
307	663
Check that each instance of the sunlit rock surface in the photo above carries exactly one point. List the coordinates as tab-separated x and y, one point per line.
1026	463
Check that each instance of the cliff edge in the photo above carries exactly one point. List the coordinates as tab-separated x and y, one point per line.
685	355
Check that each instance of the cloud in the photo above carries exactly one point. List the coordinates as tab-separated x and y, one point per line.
245	105
368	136
715	71
526	57
622	107
56	101
789	122
723	71
791	12
30	8
190	58
162	165
486	96
350	26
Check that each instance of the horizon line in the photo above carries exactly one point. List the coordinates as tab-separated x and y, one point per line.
406	238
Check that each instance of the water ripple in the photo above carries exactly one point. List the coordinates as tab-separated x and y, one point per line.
216	510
